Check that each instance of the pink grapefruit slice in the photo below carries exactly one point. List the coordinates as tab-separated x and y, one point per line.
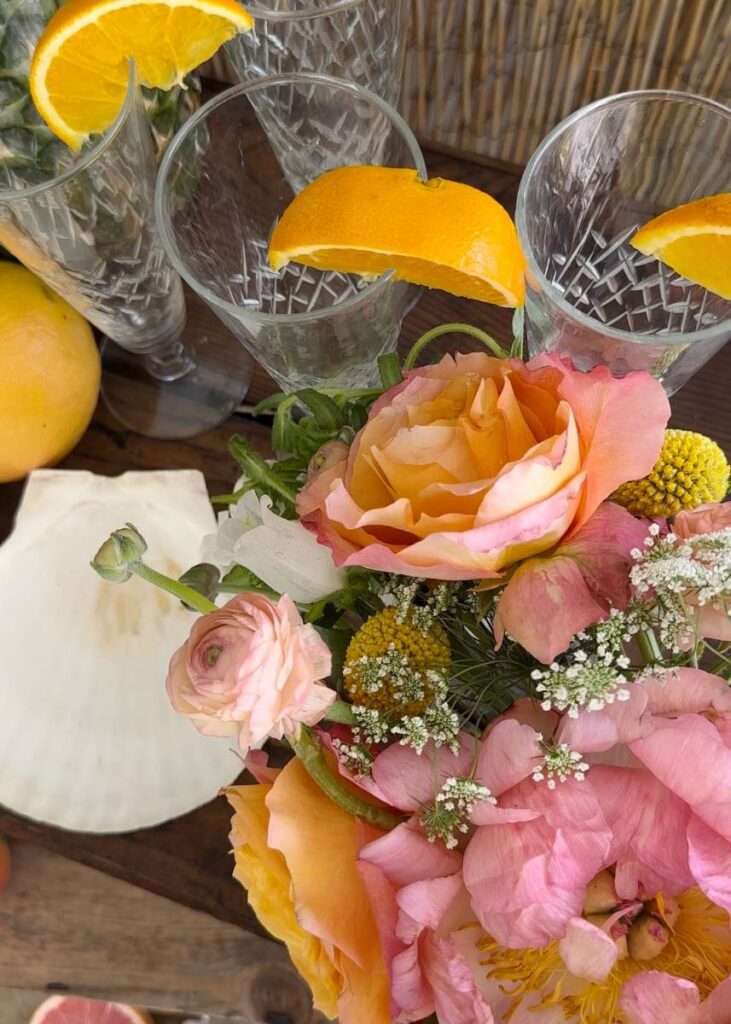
75	1010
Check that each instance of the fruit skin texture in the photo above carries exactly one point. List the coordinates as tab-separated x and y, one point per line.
694	240
367	220
49	374
4	863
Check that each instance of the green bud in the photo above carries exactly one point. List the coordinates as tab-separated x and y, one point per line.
124	548
203	578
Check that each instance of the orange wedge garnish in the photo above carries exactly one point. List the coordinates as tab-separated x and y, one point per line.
80	68
441	234
695	240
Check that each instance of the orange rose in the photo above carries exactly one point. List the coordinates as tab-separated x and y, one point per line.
478	463
296	854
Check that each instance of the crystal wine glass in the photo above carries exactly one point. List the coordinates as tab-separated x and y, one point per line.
361	40
84	222
230	173
604	171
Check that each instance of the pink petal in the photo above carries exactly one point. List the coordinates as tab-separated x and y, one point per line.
527	879
709	856
410	990
425	903
685	691
257	762
622	427
546	602
676	752
648	825
654	997
602	549
457	999
405	855
587	951
382	898
716	1007
621	722
410	781
704	519
508	754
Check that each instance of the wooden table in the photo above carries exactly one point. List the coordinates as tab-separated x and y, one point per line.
187	860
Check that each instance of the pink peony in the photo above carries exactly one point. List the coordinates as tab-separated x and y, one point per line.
252	669
614	890
475	465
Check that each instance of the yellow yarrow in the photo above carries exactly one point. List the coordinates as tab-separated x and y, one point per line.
421	651
690	471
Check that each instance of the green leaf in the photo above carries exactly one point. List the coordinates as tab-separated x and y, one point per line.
264	477
389	368
282	428
327	415
240	579
516	349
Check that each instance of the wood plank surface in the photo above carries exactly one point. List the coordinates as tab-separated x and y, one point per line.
187	860
66	928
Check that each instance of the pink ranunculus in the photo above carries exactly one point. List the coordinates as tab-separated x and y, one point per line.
252	669
471	467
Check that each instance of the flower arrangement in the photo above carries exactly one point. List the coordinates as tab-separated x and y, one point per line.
481	617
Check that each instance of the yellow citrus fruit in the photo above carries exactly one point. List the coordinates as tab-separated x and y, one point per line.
49	374
695	240
80	68
442	234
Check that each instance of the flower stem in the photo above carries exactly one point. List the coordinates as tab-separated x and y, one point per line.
437	332
649	647
310	753
185	594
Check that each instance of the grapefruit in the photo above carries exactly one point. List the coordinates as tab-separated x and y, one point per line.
49	374
75	1010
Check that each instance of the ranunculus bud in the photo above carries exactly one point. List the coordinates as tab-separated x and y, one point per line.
329	455
124	548
647	938
601	896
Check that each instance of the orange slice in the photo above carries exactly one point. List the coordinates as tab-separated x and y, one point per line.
75	1010
442	234
80	68
695	240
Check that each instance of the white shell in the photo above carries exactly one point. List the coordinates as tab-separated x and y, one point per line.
88	740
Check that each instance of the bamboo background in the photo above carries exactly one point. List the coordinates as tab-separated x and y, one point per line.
489	78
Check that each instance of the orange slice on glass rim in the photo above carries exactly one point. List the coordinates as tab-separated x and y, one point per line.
694	240
80	68
442	234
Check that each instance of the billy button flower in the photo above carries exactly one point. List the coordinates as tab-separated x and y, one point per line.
691	471
392	665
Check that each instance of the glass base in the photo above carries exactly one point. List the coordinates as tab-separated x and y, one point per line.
185	402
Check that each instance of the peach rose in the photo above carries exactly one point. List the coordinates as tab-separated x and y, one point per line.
251	668
476	464
296	854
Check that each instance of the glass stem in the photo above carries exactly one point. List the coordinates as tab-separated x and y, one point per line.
171	360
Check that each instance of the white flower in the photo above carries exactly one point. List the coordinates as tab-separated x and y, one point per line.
281	552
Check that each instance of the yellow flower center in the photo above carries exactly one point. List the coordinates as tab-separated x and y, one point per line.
698	948
389	662
690	471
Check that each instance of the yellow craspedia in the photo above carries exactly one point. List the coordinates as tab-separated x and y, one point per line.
389	661
690	471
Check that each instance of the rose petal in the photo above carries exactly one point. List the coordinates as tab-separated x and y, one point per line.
587	951
546	602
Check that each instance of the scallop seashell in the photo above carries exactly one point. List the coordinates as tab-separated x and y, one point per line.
88	740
